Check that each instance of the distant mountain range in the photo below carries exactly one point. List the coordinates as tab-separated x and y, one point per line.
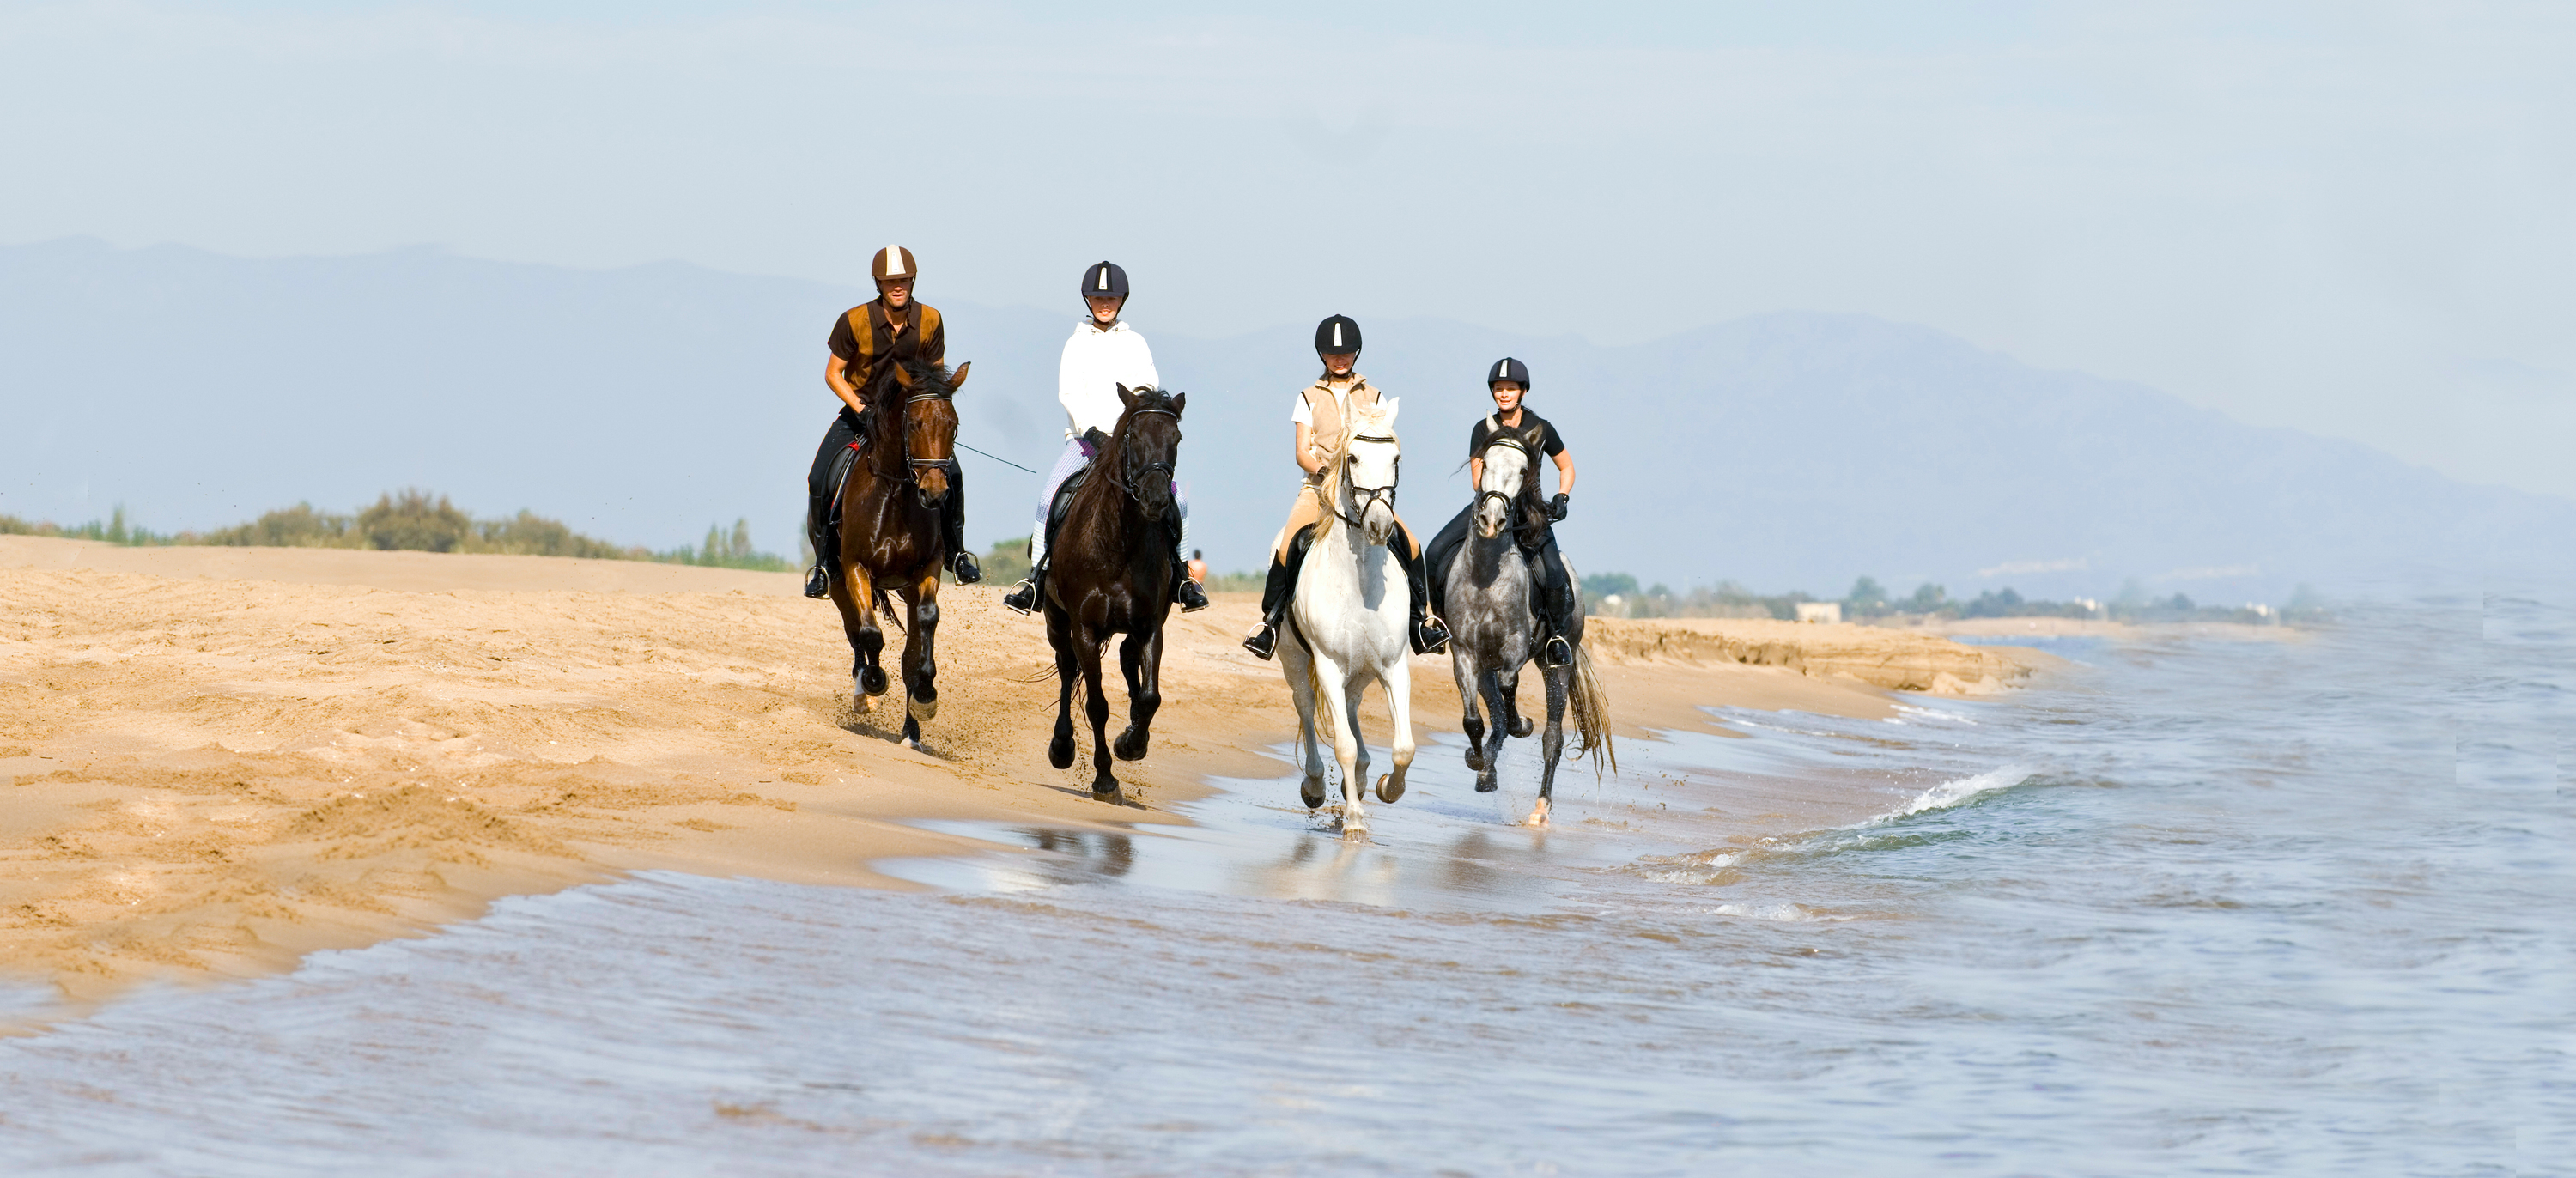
1782	451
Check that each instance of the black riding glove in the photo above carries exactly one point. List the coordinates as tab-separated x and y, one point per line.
1095	439
1556	508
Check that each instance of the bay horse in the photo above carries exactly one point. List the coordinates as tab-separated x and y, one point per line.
1347	623
891	541
1110	573
1494	630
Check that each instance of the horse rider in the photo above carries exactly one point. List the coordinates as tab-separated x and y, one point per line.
1103	354
868	340
1321	416
1509	381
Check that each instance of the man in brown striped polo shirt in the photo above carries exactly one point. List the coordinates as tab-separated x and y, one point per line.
867	340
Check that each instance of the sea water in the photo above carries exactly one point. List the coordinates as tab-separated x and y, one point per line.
2200	905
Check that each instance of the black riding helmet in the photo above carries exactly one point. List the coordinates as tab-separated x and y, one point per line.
1104	280
1336	335
1511	370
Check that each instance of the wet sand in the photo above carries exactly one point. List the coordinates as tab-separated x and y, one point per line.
218	760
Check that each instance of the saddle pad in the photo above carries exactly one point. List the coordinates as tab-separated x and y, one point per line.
840	484
1064	499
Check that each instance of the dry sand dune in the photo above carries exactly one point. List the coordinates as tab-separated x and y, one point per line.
216	760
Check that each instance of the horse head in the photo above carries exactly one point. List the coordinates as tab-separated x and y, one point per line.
930	426
1509	476
1149	443
1370	460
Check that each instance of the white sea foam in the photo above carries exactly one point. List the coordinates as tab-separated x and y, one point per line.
1951	793
1934	714
1779	912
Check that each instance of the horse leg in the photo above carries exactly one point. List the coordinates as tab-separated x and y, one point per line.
1558	680
920	650
1141	657
1463	665
859	617
1297	664
1497	705
1508	679
1398	681
1340	711
1095	707
1060	635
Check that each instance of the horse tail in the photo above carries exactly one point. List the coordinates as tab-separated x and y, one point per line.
885	606
1591	706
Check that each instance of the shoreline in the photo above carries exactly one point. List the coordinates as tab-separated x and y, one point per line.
220	760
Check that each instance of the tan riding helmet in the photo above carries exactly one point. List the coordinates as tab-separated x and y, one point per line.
894	261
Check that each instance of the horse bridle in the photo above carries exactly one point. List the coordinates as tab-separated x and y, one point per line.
1362	497
1126	480
1511	500
912	469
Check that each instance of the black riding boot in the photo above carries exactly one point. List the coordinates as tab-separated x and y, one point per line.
1193	596
818	580
1428	633
1276	595
953	520
1556	605
1025	598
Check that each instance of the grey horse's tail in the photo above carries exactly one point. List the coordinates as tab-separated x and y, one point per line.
1591	706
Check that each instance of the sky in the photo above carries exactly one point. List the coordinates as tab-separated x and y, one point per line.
2349	218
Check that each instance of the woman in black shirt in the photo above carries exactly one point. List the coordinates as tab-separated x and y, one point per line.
1508	381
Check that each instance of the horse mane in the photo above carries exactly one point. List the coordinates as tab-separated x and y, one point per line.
1359	420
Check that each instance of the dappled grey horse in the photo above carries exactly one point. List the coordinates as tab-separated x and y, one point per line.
1493	629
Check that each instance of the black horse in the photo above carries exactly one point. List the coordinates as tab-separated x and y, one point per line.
1111	573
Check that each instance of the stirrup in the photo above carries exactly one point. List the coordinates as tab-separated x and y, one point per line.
1193	598
1263	642
968	572
1025	598
1556	652
818	582
1429	634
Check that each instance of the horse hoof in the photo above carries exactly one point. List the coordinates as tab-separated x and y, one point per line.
1355	832
873	681
1485	783
1060	752
1538	815
1112	795
860	703
1130	745
924	710
1314	800
1389	789
1521	726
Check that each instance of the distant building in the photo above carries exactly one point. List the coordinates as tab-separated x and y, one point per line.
1820	611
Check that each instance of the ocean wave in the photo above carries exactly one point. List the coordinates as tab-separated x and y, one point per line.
1952	793
1787	913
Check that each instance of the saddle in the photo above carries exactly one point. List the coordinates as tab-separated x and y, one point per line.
1063	500
840	484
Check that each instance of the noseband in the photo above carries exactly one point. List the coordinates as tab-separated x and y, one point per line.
912	469
1364	497
1129	480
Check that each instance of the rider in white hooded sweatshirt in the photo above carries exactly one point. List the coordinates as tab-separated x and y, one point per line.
1103	354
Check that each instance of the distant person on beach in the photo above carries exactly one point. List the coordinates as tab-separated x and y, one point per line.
1103	354
1198	566
1322	409
1509	381
867	341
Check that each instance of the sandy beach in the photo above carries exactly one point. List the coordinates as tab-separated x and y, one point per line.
218	760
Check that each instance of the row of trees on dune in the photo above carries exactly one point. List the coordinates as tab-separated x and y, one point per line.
414	520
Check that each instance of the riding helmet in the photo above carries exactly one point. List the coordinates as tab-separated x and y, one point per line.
1104	280
1336	335
893	261
1511	370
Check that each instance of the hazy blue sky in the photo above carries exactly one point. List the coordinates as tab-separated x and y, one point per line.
2353	218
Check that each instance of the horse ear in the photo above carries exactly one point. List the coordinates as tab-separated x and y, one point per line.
1391	404
957	378
1126	396
1180	401
1536	436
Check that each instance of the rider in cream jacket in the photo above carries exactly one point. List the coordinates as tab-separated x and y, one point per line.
1103	353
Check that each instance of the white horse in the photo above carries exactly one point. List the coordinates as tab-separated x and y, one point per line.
1347	624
